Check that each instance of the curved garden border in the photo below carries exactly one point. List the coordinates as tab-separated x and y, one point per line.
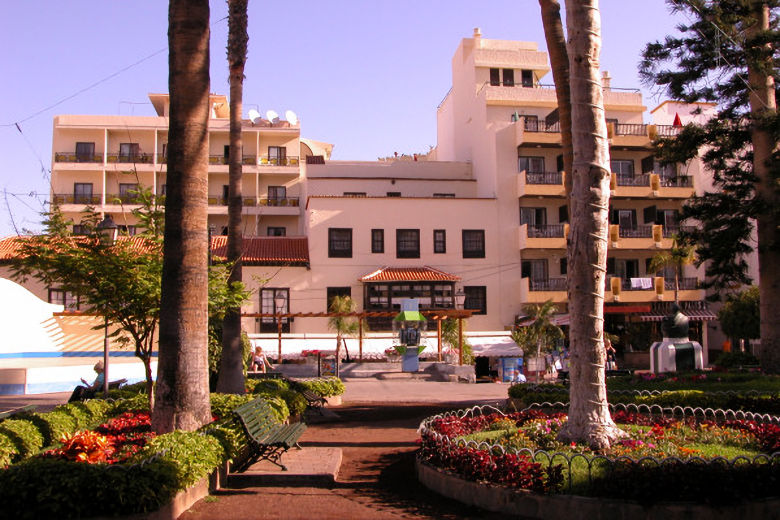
526	503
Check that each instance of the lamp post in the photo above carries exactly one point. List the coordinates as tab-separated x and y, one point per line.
460	301
279	301
107	231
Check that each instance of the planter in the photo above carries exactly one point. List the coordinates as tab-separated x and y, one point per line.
334	400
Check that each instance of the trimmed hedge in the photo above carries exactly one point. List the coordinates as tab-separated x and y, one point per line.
323	386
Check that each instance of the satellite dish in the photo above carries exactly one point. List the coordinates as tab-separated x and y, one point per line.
254	115
272	116
291	117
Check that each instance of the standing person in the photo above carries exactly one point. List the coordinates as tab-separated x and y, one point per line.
611	359
259	361
87	390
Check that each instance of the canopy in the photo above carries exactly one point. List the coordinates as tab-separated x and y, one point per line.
409	316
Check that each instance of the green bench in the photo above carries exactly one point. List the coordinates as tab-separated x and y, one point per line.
313	400
267	438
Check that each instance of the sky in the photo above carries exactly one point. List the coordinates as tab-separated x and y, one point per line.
365	75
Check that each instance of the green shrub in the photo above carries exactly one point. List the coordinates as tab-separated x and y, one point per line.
267	385
278	405
80	413
230	435
99	407
192	454
735	359
25	436
323	386
296	403
136	402
7	450
53	425
222	405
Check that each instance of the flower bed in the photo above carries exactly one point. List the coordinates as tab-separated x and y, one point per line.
697	459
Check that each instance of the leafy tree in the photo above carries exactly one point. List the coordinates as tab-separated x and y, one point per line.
739	315
231	373
541	332
449	336
342	325
728	55
679	255
182	390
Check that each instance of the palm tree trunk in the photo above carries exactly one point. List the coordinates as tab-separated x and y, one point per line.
589	417
182	391
231	369
763	104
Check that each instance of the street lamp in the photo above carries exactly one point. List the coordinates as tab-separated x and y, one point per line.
460	301
107	231
279	301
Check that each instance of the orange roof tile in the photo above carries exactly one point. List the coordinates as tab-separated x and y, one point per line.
257	250
409	274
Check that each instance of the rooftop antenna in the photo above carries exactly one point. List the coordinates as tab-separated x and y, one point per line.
272	116
254	116
292	118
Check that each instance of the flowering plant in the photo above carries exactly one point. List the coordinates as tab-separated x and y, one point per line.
307	353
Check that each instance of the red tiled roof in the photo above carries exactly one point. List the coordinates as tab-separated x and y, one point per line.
267	250
409	274
257	250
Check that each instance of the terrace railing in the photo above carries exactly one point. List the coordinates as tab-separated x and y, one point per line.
685	284
546	231
550	178
133	158
643	231
633	180
71	198
550	284
630	129
78	157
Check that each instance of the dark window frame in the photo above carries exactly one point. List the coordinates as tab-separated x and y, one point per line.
129	151
529	159
342	251
476	298
469	238
439	241
85	155
83	198
69	300
508	77
495	77
269	323
378	241
410	243
276	231
332	292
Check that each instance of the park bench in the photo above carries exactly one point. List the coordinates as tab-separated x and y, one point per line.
267	438
23	409
313	400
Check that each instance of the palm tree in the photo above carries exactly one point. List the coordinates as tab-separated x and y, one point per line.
182	390
541	332
231	370
678	256
342	325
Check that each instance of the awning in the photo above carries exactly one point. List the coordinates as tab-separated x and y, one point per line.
626	309
409	316
409	274
695	311
494	346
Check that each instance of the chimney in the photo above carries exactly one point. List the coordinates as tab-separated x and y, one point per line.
477	37
606	80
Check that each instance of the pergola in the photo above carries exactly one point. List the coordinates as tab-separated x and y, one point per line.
435	314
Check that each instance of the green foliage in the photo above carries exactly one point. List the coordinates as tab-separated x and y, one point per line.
739	316
136	402
26	439
296	403
53	425
222	405
278	405
193	455
266	385
541	333
342	325
735	359
322	386
449	337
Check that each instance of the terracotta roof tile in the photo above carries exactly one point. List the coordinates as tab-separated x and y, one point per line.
409	274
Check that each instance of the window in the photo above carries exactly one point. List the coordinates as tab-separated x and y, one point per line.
530	164
85	152
276	231
622	167
407	243
531	124
80	229
82	193
393	193
226	153
533	216
473	243
337	291
225	194
444	195
377	240
564	266
128	192
129	151
65	298
354	193
268	306
476	298
277	193
536	270
625	268
277	155
439	241
495	77
340	242
509	77
527	78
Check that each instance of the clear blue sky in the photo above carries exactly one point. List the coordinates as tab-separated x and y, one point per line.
365	75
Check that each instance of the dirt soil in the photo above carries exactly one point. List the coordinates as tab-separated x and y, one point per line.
376	479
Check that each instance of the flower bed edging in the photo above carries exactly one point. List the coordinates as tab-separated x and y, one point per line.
527	504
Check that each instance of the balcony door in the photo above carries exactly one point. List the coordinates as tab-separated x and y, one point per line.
85	152
626	269
536	270
82	193
534	217
277	155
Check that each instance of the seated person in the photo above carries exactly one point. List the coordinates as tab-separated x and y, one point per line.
259	361
87	391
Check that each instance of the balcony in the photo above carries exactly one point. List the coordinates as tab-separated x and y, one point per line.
71	198
685	284
73	157
549	184
633	180
137	158
222	160
532	132
635	237
279	161
634	290
539	291
551	236
128	198
671	231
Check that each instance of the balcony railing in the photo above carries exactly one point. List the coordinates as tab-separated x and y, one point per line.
667	130
631	129
685	284
128	198
670	231
249	160
279	161
534	125
551	178
264	201
162	159
633	180
136	158
645	231
550	284
681	181
71	198
218	159
77	158
633	284
546	231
